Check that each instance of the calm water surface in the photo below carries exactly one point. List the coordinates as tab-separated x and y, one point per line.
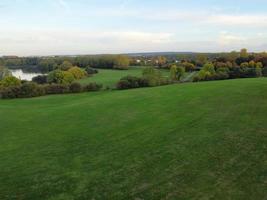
18	73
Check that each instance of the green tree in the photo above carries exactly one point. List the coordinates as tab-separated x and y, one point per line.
259	64
77	72
232	56
209	67
244	65
159	61
152	75
244	53
4	72
61	77
47	65
173	72
180	72
67	77
188	66
201	59
121	62
258	71
252	64
65	66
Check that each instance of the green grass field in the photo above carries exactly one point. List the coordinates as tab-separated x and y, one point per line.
109	78
188	141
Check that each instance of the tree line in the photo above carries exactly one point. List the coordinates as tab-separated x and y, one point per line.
47	64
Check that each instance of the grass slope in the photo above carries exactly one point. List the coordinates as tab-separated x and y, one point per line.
109	77
191	141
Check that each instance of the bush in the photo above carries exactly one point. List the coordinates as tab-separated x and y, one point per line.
56	89
222	73
91	87
30	89
130	82
76	88
123	84
41	79
91	70
10	92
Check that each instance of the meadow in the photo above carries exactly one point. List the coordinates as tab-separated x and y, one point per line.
109	77
187	141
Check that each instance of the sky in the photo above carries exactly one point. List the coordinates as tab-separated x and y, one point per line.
71	27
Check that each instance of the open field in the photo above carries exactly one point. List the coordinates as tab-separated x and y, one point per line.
189	141
109	77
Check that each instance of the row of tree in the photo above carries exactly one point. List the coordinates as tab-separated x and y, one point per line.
47	64
13	88
198	60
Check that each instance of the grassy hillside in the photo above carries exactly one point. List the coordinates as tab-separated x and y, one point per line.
109	77
190	141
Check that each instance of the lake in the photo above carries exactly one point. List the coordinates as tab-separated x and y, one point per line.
18	73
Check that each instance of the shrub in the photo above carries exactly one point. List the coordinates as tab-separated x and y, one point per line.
92	87
10	92
41	79
222	73
243	72
130	82
91	70
56	89
75	88
123	84
30	89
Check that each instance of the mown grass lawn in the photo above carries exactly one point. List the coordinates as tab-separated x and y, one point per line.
109	77
188	141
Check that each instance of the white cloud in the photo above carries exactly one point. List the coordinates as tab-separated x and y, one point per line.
198	17
226	38
40	42
239	20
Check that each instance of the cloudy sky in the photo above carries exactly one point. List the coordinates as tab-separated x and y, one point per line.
53	27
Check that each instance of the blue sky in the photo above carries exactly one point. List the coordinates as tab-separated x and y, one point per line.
49	27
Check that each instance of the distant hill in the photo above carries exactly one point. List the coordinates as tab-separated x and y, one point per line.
159	54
